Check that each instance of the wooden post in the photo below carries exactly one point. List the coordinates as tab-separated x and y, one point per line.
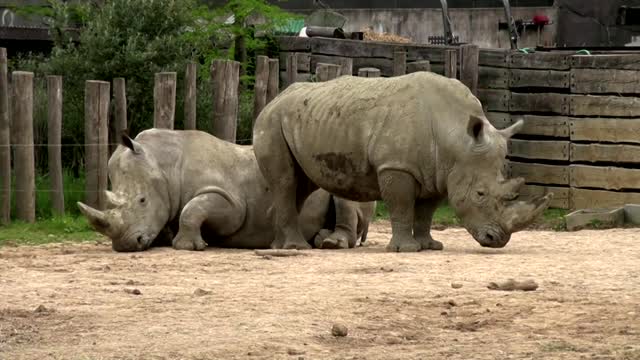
469	55
22	127
5	141
54	89
225	77
292	68
120	97
164	96
190	102
346	66
96	134
369	72
422	65
326	72
273	85
451	63
399	63
262	78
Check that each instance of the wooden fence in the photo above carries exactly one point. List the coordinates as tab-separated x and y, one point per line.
581	138
16	129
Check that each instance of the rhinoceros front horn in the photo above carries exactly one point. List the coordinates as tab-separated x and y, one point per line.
97	218
520	214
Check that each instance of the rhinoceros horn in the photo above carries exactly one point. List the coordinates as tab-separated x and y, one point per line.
113	200
520	214
512	130
96	218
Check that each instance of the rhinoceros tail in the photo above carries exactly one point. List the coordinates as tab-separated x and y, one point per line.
365	230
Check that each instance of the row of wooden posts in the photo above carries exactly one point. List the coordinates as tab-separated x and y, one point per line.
16	129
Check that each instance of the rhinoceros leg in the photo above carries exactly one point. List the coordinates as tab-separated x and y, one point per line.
425	208
398	190
222	213
344	234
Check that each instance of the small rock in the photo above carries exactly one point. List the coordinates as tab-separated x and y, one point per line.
456	285
133	291
511	285
444	313
292	351
386	269
452	303
201	292
41	309
130	282
339	330
267	257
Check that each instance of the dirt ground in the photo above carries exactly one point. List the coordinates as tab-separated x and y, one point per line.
83	301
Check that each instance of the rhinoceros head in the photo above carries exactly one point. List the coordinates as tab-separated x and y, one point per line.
483	199
137	208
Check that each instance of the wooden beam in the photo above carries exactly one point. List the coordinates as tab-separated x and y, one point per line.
469	54
541	150
539	102
292	68
273	84
540	60
494	57
326	72
164	95
22	138
422	65
612	61
539	78
451	64
493	77
593	199
225	80
611	153
602	81
5	141
303	61
294	43
494	100
399	62
605	130
586	105
260	87
605	177
540	173
190	96
369	72
54	139
96	133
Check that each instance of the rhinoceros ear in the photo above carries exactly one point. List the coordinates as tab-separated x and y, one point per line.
475	128
130	143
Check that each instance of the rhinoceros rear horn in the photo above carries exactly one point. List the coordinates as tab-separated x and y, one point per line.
513	129
130	143
97	218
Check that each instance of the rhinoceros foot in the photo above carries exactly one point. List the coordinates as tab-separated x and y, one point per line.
427	243
326	239
297	245
184	241
403	244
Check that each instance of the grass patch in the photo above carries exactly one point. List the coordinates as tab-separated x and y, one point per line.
67	228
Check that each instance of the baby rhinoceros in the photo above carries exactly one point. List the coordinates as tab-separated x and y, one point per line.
411	140
205	185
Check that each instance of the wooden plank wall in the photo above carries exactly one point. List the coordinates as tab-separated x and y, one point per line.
581	138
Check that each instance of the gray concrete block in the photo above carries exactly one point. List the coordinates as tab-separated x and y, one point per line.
595	218
632	214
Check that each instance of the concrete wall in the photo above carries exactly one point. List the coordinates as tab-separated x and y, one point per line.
477	26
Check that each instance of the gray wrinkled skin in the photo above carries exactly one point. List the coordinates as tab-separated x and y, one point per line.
412	141
207	186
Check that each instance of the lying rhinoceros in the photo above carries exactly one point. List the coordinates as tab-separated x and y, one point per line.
207	186
410	140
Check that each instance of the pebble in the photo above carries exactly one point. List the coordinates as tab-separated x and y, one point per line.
339	330
133	291
456	285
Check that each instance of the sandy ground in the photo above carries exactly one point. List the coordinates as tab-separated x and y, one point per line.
84	301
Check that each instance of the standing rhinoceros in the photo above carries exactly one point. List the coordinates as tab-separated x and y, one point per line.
410	140
208	186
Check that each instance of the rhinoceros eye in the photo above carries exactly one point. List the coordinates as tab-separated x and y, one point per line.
142	200
480	193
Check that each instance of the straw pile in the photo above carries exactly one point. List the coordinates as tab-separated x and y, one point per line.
371	35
